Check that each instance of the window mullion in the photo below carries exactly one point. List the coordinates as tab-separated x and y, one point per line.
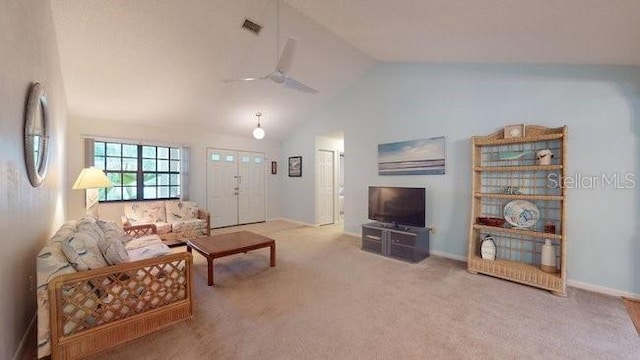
140	177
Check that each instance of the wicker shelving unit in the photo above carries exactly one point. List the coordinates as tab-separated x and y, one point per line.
518	250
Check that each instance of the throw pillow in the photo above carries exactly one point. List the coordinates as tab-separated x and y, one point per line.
113	250
51	262
89	226
66	230
113	230
181	210
83	252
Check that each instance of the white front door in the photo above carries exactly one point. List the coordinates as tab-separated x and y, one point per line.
325	187
251	198
222	187
235	187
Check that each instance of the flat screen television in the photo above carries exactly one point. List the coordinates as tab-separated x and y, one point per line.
397	205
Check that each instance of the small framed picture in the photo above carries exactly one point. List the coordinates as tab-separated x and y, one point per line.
514	131
274	167
295	166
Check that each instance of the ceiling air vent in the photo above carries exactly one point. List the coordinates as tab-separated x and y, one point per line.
251	26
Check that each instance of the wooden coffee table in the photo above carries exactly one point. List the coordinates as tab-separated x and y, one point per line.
217	246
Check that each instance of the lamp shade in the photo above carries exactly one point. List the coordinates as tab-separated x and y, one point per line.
91	178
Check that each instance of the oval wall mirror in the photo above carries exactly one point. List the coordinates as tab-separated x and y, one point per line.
36	135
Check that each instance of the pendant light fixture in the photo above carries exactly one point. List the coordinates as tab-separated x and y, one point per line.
258	132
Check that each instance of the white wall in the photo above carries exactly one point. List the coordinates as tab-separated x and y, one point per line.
298	192
198	142
28	215
396	102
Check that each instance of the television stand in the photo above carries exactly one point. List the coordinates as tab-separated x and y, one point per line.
401	242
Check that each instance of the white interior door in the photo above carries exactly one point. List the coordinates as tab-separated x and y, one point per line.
325	187
251	199
222	187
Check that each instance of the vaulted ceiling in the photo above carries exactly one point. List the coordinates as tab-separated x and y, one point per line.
485	31
162	62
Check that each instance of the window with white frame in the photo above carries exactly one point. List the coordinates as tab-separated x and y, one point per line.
138	172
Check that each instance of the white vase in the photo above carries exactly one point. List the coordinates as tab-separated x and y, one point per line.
488	248
548	257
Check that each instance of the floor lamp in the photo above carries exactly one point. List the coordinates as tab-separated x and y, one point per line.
91	179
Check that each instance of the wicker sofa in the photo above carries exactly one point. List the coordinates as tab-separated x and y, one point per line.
176	221
85	311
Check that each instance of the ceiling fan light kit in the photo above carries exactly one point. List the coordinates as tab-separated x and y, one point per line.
258	132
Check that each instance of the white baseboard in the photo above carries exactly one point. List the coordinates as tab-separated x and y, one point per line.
25	338
295	222
573	283
449	256
602	289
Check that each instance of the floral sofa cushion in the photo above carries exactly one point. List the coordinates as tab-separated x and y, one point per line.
145	212
139	213
189	225
181	210
143	241
183	216
50	263
149	251
183	219
163	228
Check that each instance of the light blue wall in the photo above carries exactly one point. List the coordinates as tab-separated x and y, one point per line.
396	102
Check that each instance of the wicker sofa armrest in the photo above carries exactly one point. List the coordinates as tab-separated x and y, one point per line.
140	230
94	310
204	215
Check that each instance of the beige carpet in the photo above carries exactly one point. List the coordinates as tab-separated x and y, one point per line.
327	299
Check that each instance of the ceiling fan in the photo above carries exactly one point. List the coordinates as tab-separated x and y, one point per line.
279	74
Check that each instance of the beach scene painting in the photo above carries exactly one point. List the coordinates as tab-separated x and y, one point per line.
415	157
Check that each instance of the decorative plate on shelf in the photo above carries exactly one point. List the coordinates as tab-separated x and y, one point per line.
521	214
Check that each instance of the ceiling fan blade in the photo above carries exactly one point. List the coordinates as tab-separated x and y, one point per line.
247	79
292	83
286	59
